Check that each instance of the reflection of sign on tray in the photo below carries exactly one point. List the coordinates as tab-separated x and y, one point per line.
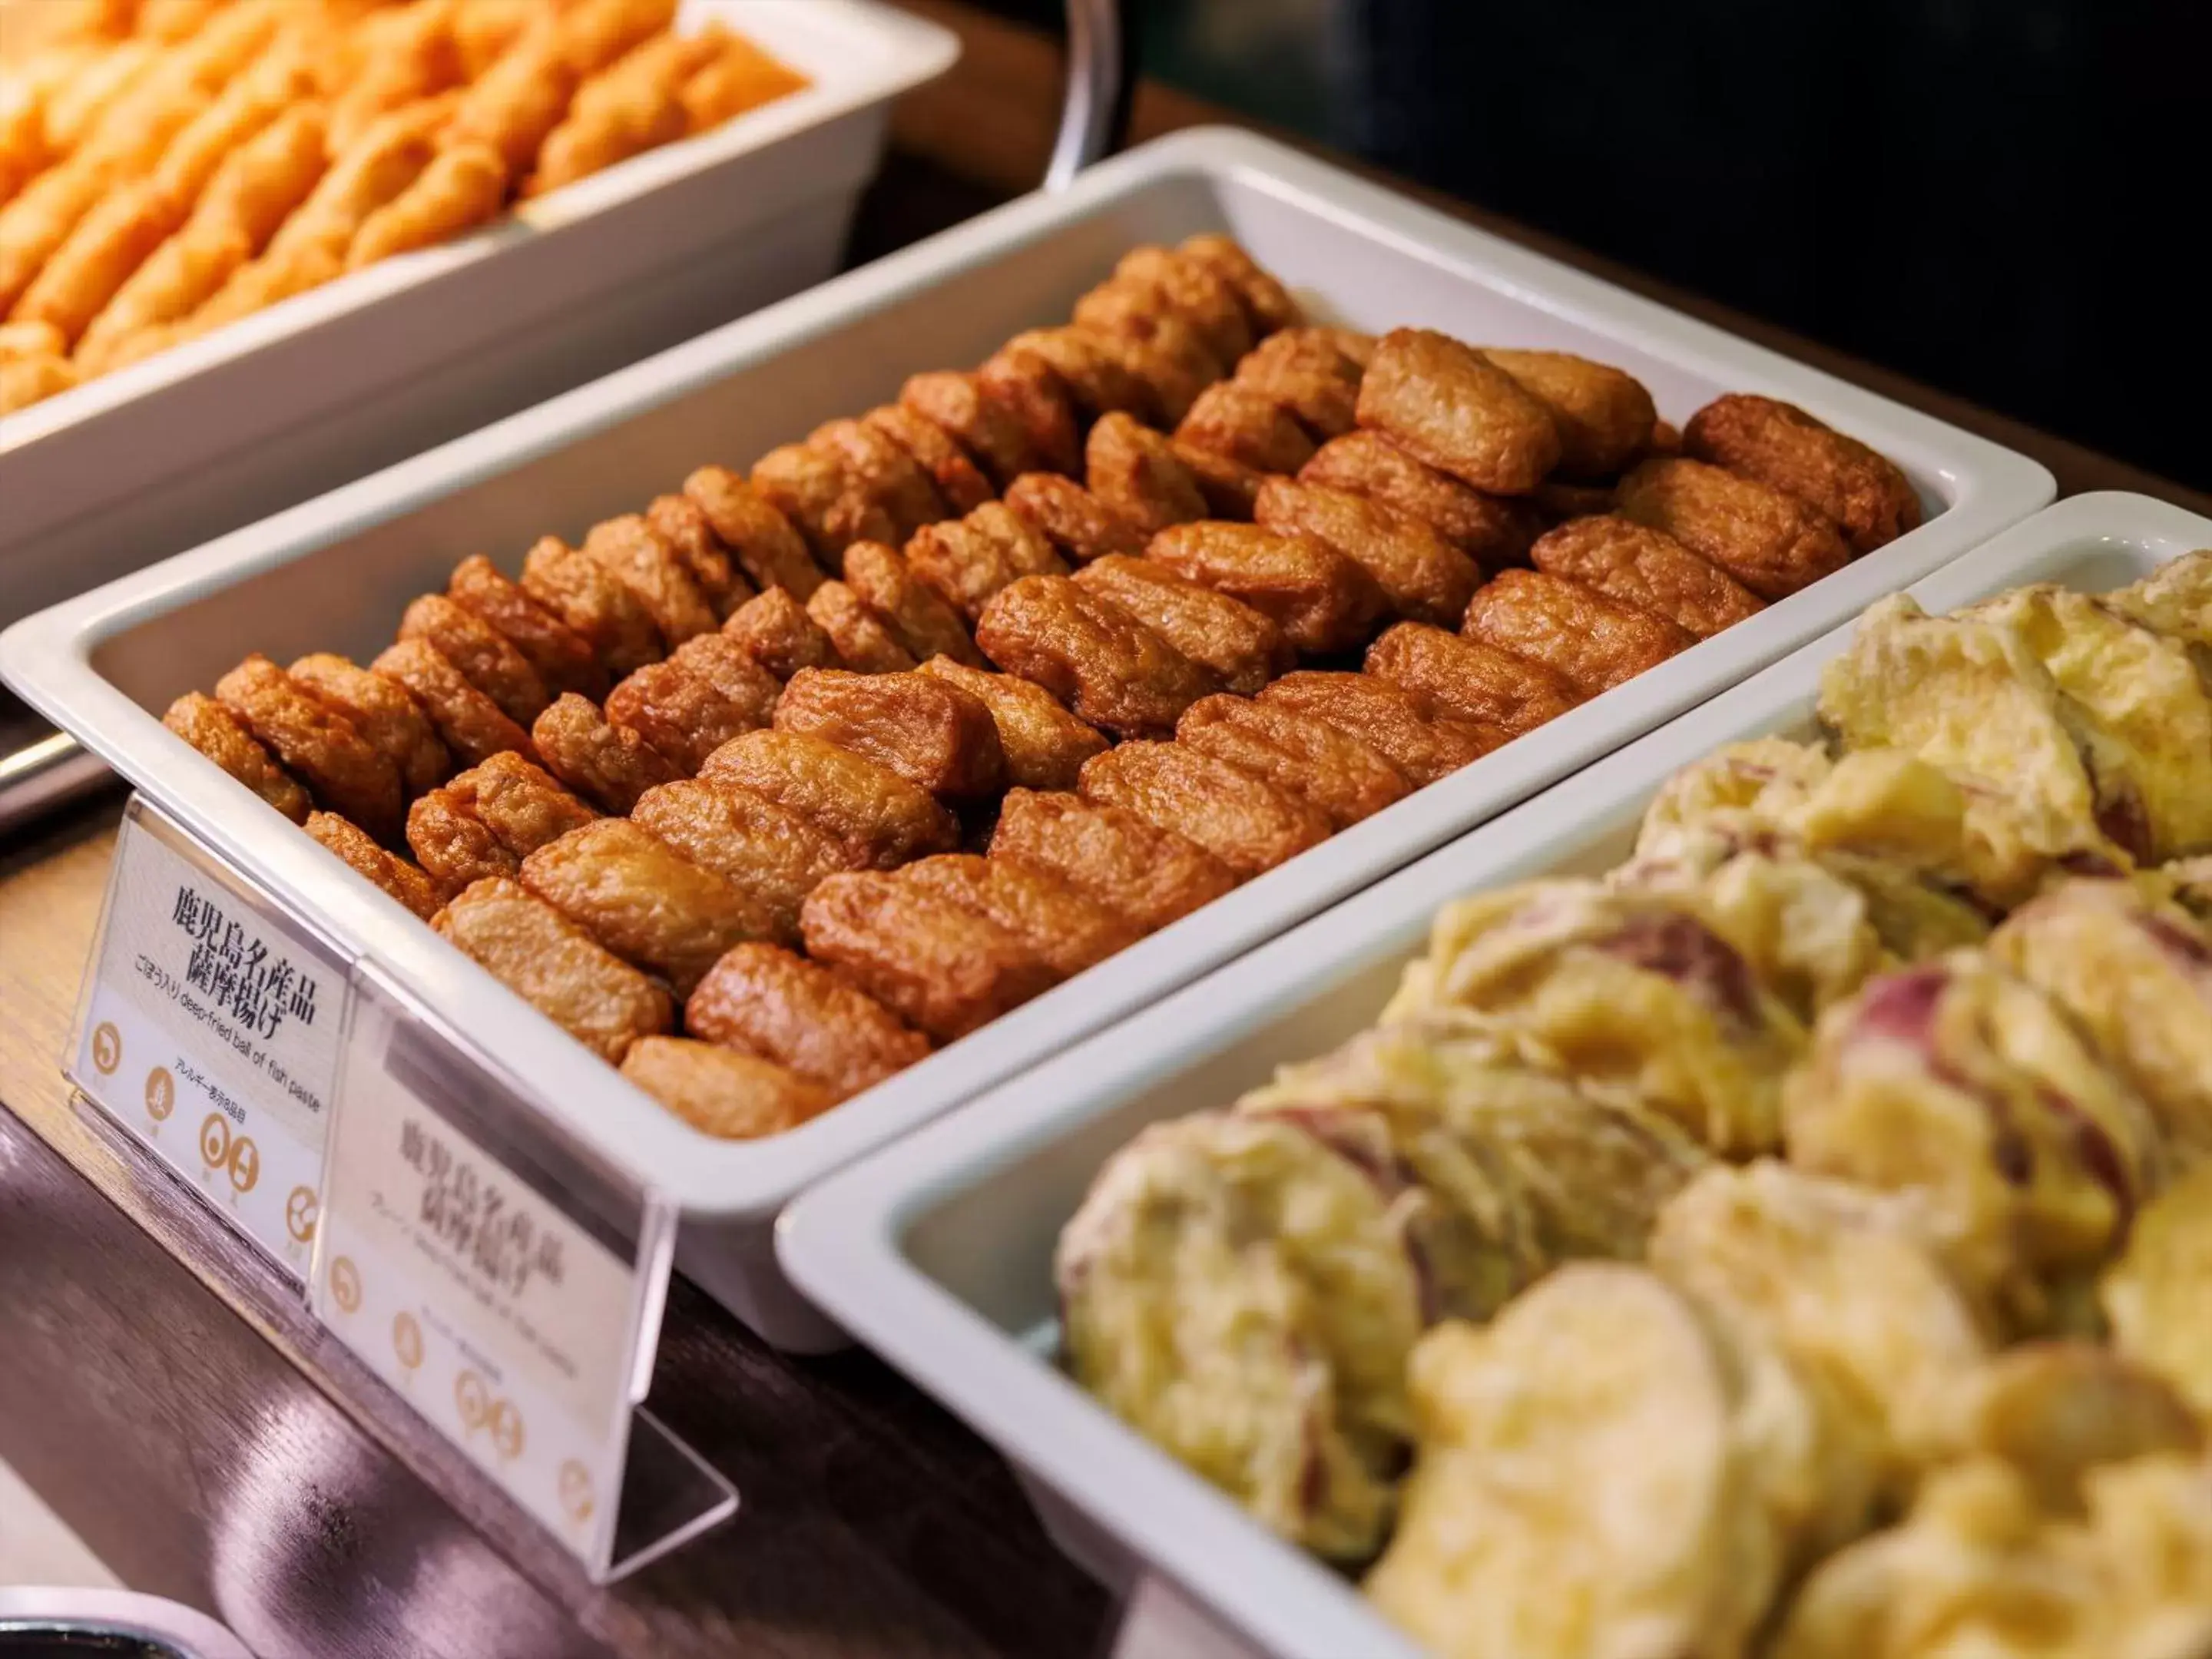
210	1028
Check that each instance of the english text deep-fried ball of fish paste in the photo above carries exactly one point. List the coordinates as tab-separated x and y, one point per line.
721	1092
384	712
484	656
2154	1294
1137	474
1781	445
765	1000
1592	642
1153	875
682	523
969	561
880	818
771	852
397	878
926	729
1234	1291
1636	565
1603	414
217	734
863	641
771	551
1471	680
1493	530
555	966
1448	405
1322	601
1422	575
936	964
1771	543
1241	647
1307	373
1045	746
563	658
594	604
1237	815
957	477
1092	654
631	551
345	772
884	474
1079	525
704	693
1308	757
1069	930
1405	727
1247	427
913	611
776	632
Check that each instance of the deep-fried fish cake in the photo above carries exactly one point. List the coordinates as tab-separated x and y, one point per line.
880	818
1045	746
596	606
1588	640
1470	680
762	540
1194	287
484	657
1240	647
1240	817
924	728
682	523
1159	344
1780	445
563	657
1399	724
765	1000
1448	405
1069	930
818	494
1321	600
220	735
913	611
776	631
1076	522
397	878
471	726
1266	303
644	901
453	845
958	478
608	765
1151	875
709	690
864	643
1297	753
1028	390
556	967
721	1092
938	965
489	819
1603	414
346	773
771	852
631	551
1136	474
1424	577
1307	371
1489	529
1636	565
1247	427
1771	543
1230	488
969	559
1089	365
1092	654
384	712
985	427
883	473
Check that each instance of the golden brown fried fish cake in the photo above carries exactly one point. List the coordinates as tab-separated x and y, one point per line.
1136	474
562	656
1267	304
1068	930
1243	648
1297	753
1159	345
880	819
484	657
518	99
464	185
721	1092
1448	405
939	966
1246	426
1306	372
1076	522
710	691
862	640
970	560
1402	725
916	614
1321	600
682	523
1230	488
631	551
384	712
1592	642
593	604
471	726
609	766
1781	445
1556	502
453	844
1491	529
1092	654
1490	689
1045	745
1771	543
775	632
1240	817
556	967
633	106
644	901
521	804
1666	438
1193	286
882	472
771	552
395	876
1423	576
957	477
343	770
1029	390
769	1002
1151	875
815	491
1093	373
984	427
768	850
926	729
219	734
1633	564
1603	414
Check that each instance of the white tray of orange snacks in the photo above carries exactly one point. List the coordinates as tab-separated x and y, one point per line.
250	249
829	718
1753	1199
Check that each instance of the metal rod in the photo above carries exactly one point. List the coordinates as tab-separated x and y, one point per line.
1093	119
42	775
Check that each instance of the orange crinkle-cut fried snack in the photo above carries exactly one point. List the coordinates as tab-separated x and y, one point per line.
187	170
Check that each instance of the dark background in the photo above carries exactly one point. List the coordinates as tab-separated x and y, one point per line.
2003	198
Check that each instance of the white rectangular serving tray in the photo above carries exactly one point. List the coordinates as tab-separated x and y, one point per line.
281	405
939	1255
334	573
